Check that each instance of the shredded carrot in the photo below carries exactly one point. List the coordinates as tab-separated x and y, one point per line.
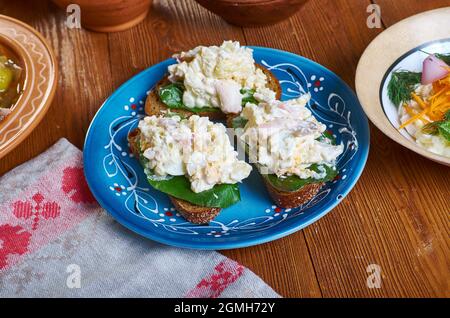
412	112
434	108
413	119
419	101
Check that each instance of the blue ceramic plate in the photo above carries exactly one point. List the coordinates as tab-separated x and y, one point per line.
119	184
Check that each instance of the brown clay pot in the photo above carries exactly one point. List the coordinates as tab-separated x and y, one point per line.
109	15
253	12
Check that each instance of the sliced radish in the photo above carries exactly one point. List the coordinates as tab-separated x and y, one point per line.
433	69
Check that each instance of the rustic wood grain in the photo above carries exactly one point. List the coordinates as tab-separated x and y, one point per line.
396	216
391	218
394	11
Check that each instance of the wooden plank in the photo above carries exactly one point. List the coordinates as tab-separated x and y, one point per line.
334	33
173	26
83	66
397	217
394	11
387	219
285	264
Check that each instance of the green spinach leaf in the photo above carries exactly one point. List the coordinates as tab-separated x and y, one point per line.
172	96
294	183
221	196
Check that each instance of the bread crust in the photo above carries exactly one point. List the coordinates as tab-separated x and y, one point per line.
194	213
289	200
191	212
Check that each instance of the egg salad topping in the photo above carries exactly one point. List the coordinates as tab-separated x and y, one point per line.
194	147
214	76
285	138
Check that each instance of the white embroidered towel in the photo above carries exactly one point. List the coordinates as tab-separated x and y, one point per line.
55	241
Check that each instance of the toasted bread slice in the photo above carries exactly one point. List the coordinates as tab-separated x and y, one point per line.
191	212
194	213
293	199
154	106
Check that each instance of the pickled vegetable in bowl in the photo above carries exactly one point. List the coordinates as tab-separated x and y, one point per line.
11	81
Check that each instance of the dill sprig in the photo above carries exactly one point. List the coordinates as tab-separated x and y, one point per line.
401	85
444	57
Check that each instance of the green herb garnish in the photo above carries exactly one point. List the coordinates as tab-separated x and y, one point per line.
401	86
247	96
444	130
444	57
441	127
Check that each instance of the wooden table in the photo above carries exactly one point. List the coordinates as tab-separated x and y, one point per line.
397	216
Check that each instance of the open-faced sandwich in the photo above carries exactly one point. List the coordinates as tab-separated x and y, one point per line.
423	101
212	81
191	160
291	148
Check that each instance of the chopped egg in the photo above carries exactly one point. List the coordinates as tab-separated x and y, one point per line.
283	138
213	76
194	147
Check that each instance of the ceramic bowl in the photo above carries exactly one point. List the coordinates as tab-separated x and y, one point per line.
400	47
38	62
253	12
109	15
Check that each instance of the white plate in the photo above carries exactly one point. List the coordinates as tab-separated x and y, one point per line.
398	47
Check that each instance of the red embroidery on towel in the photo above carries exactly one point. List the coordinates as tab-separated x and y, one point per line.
44	211
75	186
13	240
225	274
36	209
